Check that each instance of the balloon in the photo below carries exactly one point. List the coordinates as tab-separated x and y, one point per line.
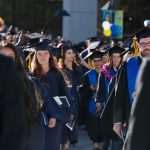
107	33
116	31
106	25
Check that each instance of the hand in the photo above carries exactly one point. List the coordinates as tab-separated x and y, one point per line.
71	118
52	123
98	106
93	88
117	128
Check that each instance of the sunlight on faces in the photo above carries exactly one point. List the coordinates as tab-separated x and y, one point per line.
116	59
97	63
144	47
8	52
43	57
69	55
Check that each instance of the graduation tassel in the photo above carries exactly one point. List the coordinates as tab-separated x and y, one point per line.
29	61
90	64
136	49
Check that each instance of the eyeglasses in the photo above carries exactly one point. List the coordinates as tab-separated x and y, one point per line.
143	44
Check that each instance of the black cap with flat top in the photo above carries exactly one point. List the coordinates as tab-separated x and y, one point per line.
142	33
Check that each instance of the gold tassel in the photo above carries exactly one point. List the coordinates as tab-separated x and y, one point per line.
136	49
28	59
90	64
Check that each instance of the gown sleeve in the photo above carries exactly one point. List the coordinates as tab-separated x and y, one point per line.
121	92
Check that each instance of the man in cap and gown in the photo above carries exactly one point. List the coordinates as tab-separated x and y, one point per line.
139	132
126	78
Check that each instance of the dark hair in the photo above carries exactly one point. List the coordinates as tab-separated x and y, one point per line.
74	64
27	87
111	61
36	68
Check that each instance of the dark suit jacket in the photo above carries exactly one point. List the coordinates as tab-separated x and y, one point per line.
138	135
12	108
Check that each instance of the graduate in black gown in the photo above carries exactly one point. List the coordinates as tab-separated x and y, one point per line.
12	108
74	77
105	94
139	132
125	89
45	69
88	98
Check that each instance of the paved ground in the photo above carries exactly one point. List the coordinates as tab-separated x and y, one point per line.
84	142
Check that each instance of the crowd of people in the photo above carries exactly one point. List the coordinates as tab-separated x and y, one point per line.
50	87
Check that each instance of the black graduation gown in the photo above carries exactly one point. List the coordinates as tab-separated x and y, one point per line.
37	137
75	78
56	86
107	116
138	134
93	123
12	108
122	105
103	97
101	94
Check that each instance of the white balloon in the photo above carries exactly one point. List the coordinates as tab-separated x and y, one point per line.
106	25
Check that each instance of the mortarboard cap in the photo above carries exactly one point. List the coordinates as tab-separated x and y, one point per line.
42	46
129	51
68	46
142	33
92	47
93	39
106	49
34	38
96	54
116	49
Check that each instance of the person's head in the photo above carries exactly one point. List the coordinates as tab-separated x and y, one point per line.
42	57
143	38
107	17
115	56
68	56
105	58
96	59
8	50
115	60
144	47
